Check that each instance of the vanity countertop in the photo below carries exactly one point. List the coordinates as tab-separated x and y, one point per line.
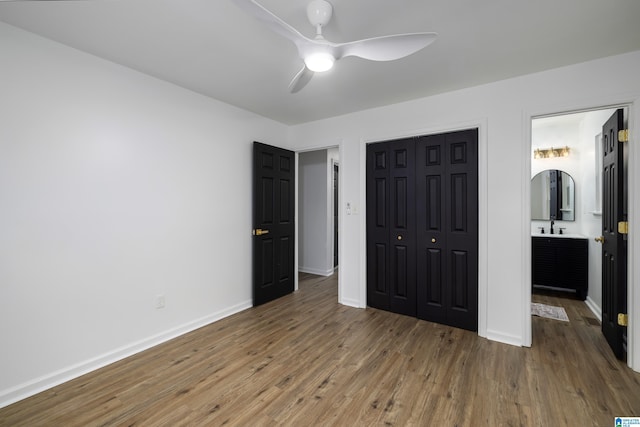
565	235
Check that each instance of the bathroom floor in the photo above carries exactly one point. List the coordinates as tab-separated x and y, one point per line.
576	309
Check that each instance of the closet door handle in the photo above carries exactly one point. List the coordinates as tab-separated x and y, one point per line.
433	240
399	237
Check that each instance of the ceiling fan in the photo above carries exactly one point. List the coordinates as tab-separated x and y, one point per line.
320	54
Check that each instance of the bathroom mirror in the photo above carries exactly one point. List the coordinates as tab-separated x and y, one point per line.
553	196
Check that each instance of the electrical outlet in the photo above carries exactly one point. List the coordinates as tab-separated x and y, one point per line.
160	302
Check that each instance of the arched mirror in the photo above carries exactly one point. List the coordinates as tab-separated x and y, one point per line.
553	196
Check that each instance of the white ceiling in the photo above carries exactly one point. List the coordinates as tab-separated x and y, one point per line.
214	48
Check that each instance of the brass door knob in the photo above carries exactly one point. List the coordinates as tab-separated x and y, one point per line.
599	239
260	232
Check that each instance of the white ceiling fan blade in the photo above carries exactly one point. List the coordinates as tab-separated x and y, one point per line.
300	80
385	48
274	23
16	1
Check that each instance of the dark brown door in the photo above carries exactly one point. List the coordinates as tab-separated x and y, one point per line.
614	248
391	266
273	219
447	224
335	215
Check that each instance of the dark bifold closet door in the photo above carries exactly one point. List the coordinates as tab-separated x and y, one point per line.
422	227
391	226
447	208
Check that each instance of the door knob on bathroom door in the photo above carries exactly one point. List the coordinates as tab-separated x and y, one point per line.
599	239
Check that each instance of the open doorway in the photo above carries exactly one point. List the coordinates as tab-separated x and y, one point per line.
317	211
567	218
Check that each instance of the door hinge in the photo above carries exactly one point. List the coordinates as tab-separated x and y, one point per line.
623	135
623	227
623	319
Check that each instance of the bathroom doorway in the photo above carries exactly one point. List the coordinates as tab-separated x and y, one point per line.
566	197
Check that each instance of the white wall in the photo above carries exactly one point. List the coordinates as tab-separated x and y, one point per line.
547	134
503	111
313	212
115	188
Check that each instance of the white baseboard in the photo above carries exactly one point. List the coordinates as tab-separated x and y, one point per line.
316	271
350	302
53	379
595	309
504	338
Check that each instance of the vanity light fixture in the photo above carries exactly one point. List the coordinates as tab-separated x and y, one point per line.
545	153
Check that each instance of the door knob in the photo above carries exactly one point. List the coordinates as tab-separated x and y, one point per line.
433	240
260	232
599	239
399	237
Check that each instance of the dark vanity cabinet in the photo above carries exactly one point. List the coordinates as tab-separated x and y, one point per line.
560	263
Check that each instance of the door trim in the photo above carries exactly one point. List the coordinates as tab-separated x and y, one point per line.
332	224
631	102
483	261
333	144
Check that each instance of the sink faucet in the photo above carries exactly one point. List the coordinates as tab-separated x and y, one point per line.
551	231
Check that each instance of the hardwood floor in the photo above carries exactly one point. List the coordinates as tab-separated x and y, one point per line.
305	360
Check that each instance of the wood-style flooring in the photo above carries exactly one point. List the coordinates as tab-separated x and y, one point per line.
306	360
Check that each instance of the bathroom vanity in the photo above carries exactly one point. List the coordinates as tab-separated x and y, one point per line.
560	261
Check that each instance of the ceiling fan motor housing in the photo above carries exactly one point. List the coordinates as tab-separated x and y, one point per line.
319	13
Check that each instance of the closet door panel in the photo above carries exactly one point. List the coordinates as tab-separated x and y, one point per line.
430	285
391	253
447	224
403	227
378	201
461	223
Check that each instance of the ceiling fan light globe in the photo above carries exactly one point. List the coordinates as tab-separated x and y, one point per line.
319	62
